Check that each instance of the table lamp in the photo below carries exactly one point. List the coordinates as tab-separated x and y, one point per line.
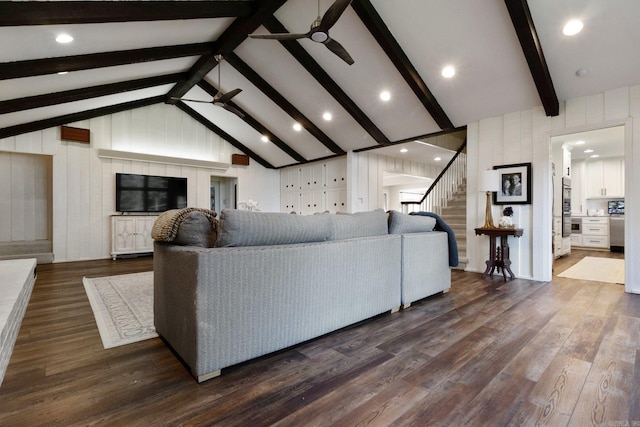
489	182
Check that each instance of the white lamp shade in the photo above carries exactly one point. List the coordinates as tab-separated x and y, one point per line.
489	180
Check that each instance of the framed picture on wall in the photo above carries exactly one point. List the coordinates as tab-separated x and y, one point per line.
515	184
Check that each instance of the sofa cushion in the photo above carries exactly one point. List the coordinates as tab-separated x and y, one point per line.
400	223
187	227
359	224
247	228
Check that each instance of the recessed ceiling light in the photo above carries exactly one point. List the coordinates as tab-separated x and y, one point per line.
327	116
437	159
448	71
297	127
403	150
580	142
582	72
595	155
589	150
385	95
64	38
62	73
265	138
572	27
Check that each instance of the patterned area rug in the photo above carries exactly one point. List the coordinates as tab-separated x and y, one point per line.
597	269
123	307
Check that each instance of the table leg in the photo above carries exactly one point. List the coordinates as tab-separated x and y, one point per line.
491	262
506	262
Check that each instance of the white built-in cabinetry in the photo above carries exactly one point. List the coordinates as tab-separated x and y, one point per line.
605	178
315	187
131	234
595	232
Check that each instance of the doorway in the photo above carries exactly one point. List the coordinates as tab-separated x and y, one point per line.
593	162
222	193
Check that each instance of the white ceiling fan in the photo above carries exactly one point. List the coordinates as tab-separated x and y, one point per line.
319	31
220	99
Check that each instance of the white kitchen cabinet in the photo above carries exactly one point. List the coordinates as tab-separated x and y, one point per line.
131	234
336	174
605	178
578	205
595	232
576	240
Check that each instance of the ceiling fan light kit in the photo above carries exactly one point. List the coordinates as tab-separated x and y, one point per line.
220	99
319	31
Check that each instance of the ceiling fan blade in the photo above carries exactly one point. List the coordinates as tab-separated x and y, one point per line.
332	14
193	100
337	48
282	36
233	110
227	96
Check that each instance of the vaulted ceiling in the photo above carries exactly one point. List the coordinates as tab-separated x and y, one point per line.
509	55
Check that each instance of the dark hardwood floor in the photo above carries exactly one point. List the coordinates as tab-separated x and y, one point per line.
486	353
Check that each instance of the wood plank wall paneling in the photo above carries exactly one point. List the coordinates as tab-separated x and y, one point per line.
82	184
525	136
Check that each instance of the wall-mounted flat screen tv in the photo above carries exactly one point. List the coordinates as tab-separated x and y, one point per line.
146	193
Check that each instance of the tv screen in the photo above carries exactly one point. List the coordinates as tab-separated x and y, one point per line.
616	207
146	193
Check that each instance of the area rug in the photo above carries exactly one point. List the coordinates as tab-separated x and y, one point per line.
123	307
597	269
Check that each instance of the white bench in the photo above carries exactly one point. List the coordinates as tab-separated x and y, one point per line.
17	278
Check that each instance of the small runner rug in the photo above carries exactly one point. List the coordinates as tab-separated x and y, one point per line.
123	307
597	269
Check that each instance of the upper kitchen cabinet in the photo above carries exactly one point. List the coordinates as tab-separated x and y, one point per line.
605	178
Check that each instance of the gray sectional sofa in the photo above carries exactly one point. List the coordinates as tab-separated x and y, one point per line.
274	280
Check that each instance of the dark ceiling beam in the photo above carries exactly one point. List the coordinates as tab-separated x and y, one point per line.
376	26
39	67
37	101
532	49
230	39
76	117
251	121
307	61
282	102
222	134
86	12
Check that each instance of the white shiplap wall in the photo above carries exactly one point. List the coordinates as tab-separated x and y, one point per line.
525	137
84	184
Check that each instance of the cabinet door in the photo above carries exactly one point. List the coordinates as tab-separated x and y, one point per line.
290	179
313	177
613	173
336	173
144	225
291	203
595	178
577	187
312	202
124	234
336	200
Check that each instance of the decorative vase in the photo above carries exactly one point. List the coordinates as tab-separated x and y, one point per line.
506	222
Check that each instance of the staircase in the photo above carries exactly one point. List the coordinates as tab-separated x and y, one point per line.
454	213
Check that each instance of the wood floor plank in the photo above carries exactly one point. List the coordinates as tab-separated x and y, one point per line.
486	353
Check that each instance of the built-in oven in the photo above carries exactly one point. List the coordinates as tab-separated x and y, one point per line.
576	225
566	207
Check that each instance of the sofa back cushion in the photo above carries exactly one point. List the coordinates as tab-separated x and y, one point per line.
187	227
360	224
248	228
400	223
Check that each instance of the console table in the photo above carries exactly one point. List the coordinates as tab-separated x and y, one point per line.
499	256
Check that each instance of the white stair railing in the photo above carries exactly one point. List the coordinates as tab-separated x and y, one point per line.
443	188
